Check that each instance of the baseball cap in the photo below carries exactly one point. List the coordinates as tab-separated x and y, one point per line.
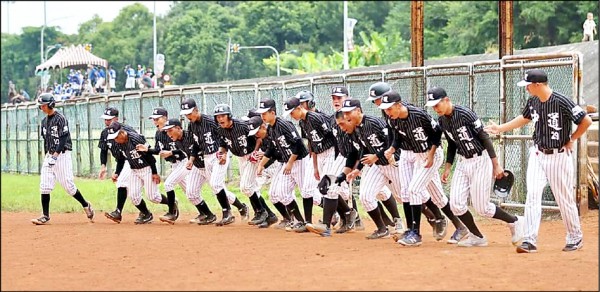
251	113
389	99
171	123
265	105
339	91
187	106
254	125
533	76
350	104
502	186
289	105
435	95
158	112
113	130
109	113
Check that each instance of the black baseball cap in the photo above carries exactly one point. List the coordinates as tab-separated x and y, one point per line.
251	113
109	113
113	130
265	105
254	125
339	91
350	104
171	123
435	95
158	112
187	106
533	76
389	98
289	105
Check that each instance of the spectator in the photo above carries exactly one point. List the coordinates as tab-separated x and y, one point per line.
19	98
112	78
141	72
12	90
589	28
130	82
100	77
25	95
57	88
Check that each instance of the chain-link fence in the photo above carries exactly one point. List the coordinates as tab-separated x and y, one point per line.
489	88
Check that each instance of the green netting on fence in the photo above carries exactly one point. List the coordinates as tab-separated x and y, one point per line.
358	87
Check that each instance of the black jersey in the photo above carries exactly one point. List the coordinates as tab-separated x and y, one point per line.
371	137
187	146
553	119
162	141
417	132
463	128
283	136
236	138
53	129
317	128
104	144
127	151
343	142
206	130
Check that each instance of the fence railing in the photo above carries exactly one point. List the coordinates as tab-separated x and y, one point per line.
488	87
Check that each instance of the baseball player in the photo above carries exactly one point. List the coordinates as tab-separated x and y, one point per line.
419	137
186	150
272	167
143	170
164	146
205	129
57	162
473	175
550	158
430	210
369	136
285	139
233	134
111	115
322	142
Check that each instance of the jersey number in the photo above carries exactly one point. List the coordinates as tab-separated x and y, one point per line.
469	146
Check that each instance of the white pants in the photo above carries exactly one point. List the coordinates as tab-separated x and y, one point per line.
418	183
61	171
330	165
142	178
372	182
557	169
473	177
123	179
214	174
248	180
177	176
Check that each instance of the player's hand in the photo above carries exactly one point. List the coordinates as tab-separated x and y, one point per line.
316	174
259	169
352	175
287	169
156	178
189	165
389	153
429	160
165	153
498	171
141	147
51	160
114	177
492	128
340	179
222	157
569	146
102	174
369	159
445	174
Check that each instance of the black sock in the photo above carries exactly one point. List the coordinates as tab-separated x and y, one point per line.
282	210
502	215
164	200
416	213
343	206
322	203
468	220
329	207
171	201
376	216
392	207
121	198
354	203
428	214
308	206
408	214
263	204
222	198
384	216
434	209
238	204
455	221
46	204
204	209
80	199
142	207
295	210
255	203
199	208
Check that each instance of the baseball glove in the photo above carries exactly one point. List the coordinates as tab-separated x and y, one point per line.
503	185
254	157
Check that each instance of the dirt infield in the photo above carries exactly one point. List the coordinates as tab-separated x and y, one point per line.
72	254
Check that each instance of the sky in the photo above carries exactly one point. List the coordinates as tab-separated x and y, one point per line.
67	15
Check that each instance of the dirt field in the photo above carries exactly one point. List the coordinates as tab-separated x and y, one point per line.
72	254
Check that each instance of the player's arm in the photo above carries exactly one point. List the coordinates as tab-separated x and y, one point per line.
579	117
515	123
63	136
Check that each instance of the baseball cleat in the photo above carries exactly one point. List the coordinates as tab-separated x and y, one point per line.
398	227
198	219
227	219
208	219
89	211
517	230
144	218
268	222
168	218
473	240
244	212
351	218
458	234
300	227
259	218
283	224
41	221
526	247
115	216
573	246
320	229
410	238
379	234
440	229
176	210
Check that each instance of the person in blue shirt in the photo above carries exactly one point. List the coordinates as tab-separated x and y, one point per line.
112	82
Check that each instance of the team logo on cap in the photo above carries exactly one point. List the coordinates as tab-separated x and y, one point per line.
262	104
286	106
338	89
430	96
526	76
156	112
385	99
347	103
220	109
372	93
107	112
185	106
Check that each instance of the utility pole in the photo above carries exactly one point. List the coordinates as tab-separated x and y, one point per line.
227	59
346	66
